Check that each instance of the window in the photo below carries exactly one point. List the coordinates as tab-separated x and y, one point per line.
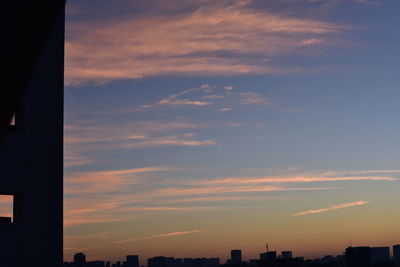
6	208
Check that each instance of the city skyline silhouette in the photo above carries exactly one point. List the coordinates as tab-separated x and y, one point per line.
362	256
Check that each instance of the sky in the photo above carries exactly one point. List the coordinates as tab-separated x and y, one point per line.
197	127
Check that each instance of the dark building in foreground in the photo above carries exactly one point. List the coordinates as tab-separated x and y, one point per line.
380	256
236	256
79	259
178	262
162	261
132	261
31	145
358	257
286	255
396	254
270	255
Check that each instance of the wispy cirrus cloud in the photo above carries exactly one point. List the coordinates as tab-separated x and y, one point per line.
177	100
194	42
331	208
206	95
81	140
159	236
298	179
95	132
128	194
84	137
120	242
363	172
108	180
171	141
86	236
171	191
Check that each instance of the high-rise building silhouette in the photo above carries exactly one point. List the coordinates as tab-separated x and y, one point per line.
79	259
358	257
270	255
286	255
236	256
132	261
161	261
380	256
396	254
31	149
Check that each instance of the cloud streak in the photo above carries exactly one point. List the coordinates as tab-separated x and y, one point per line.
108	180
159	236
230	97
128	194
81	140
297	179
171	141
331	208
175	99
232	189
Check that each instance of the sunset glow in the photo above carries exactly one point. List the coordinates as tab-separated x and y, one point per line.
197	127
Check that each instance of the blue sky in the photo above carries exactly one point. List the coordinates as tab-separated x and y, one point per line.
184	118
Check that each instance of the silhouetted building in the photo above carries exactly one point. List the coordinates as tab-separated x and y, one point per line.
236	256
79	259
268	259
396	254
95	264
177	262
380	256
253	263
188	262
5	219
31	149
358	257
286	255
164	262
204	262
270	255
132	261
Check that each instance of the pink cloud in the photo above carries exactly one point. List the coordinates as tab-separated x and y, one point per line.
297	179
130	47
107	181
171	141
310	42
333	207
231	189
159	236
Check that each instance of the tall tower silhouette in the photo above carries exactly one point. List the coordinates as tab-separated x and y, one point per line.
236	256
31	150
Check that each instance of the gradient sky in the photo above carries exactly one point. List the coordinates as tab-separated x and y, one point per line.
197	127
